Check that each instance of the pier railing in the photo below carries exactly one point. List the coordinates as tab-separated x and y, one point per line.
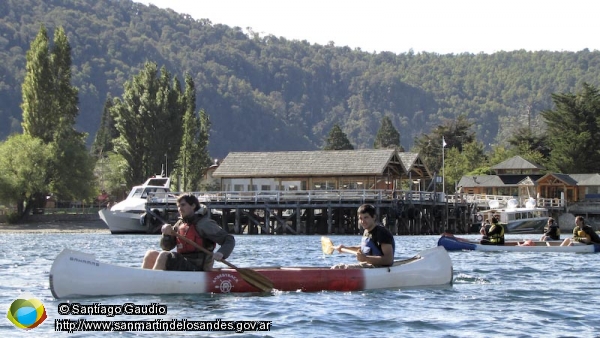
347	195
308	196
479	199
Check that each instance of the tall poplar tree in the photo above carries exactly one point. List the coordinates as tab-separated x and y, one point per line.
106	132
193	155
337	140
37	90
49	114
65	95
70	182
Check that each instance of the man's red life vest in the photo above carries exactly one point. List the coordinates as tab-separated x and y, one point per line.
188	231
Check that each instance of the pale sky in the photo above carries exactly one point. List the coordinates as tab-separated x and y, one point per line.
438	26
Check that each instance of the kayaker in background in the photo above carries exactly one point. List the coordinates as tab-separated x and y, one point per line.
495	234
582	233
195	224
377	246
450	233
552	231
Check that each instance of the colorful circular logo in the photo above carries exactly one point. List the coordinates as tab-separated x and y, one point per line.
26	313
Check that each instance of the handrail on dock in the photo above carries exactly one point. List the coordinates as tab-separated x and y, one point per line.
347	195
283	197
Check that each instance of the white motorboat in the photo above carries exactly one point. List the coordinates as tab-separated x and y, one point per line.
129	216
529	219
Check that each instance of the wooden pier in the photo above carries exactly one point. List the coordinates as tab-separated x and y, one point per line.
331	211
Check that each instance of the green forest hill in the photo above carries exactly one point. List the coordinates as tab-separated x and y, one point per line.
268	93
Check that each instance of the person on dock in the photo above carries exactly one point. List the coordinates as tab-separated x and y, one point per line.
495	234
377	246
582	233
195	224
552	231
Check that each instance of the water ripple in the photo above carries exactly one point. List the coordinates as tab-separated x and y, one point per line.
493	294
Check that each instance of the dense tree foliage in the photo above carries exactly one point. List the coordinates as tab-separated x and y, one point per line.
455	133
24	161
266	93
337	140
574	131
534	141
148	119
49	113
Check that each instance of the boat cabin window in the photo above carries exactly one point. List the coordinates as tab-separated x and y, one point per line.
138	193
157	181
148	191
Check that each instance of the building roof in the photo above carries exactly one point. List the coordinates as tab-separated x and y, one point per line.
413	164
314	163
579	179
516	162
516	179
497	180
480	181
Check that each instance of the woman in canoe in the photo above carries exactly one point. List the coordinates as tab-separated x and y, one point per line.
195	224
552	231
582	233
495	235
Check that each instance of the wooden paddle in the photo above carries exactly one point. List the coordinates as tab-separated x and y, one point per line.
328	247
250	276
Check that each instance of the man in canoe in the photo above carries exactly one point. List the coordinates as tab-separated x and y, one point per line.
194	224
377	246
582	233
495	235
552	232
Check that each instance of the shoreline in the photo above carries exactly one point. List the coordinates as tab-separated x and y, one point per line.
79	226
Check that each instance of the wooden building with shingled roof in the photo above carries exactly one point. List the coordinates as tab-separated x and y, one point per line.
519	177
321	170
513	177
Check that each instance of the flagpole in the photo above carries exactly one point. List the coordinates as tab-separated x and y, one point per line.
444	181
443	169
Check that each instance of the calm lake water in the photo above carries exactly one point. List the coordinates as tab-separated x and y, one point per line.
494	294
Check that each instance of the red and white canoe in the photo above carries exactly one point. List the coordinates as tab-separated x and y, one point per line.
78	274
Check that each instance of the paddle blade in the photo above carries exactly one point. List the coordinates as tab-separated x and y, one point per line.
255	279
327	245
